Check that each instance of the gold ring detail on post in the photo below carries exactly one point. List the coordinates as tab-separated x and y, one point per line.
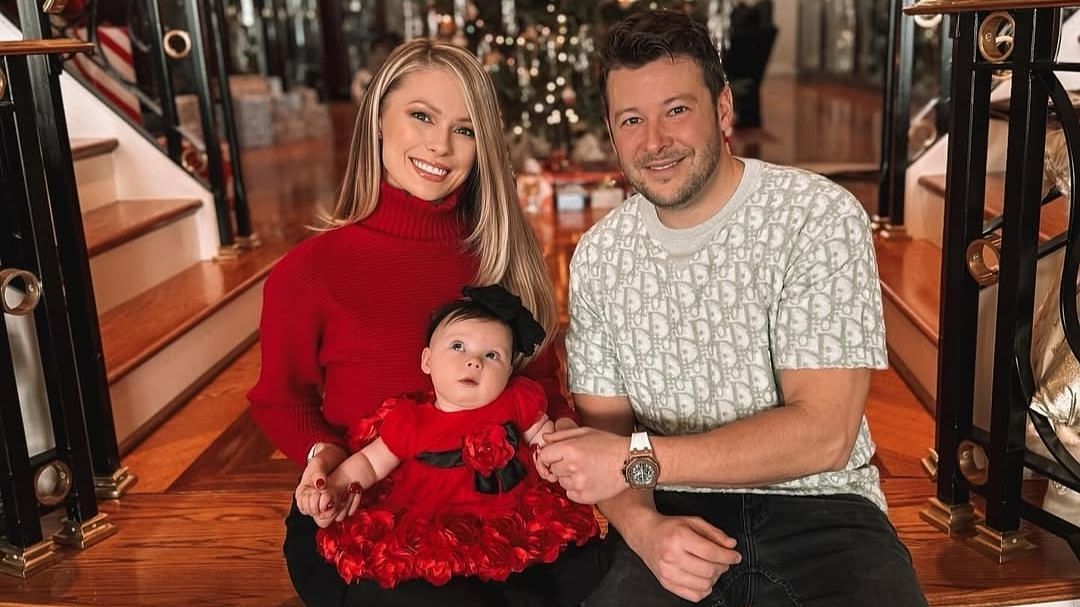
995	41
983	259
53	7
52	483
967	455
30	298
185	44
928	21
193	160
3	83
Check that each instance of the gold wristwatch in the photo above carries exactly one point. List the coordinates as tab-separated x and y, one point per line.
641	469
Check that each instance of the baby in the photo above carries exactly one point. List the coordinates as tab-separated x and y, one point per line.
464	498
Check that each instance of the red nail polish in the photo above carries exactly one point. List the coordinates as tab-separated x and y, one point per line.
354	487
319	484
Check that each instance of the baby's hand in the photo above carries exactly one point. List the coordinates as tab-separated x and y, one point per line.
538	438
345	491
536	443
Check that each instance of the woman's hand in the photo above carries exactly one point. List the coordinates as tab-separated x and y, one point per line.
313	497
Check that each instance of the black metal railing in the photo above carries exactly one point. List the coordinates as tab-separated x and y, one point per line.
897	121
186	51
978	54
45	276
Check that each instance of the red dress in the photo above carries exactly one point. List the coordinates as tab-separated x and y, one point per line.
466	499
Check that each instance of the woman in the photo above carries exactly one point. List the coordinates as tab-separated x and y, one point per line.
428	205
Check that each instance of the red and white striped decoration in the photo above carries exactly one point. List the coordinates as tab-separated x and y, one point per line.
117	49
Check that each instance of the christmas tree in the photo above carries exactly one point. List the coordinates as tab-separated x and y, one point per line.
541	56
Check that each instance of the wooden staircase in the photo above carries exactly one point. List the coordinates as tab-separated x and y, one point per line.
170	320
910	272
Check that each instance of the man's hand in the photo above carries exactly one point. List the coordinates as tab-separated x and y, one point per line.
587	462
563	423
686	554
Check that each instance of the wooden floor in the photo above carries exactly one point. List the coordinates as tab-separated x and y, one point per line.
203	524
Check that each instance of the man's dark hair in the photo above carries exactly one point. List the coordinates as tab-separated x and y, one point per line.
647	36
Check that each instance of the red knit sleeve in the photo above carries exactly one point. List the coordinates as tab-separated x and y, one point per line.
286	402
546	370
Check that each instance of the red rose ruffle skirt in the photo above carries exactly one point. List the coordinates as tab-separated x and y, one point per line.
389	547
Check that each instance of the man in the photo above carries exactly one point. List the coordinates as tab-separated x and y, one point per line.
731	311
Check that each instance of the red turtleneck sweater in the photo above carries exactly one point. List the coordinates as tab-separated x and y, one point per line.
344	319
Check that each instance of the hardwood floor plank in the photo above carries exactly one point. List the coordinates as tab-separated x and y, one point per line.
180	549
953	574
172	449
241	457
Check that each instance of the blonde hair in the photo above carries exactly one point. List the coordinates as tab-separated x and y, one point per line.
500	237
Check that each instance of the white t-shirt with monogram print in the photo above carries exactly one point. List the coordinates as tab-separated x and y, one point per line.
694	325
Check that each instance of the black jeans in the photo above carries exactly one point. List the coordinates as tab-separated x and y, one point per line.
564	583
822	551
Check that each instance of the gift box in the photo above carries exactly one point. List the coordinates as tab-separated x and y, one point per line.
254	122
116	46
570	197
606	197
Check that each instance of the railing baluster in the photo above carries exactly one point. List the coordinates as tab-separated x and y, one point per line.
22	547
83	524
163	75
896	115
1016	286
211	141
66	216
216	18
966	170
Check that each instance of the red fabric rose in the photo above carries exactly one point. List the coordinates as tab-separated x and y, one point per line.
389	563
364	431
351	567
435	570
486	449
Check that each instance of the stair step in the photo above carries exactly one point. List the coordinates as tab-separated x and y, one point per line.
1055	214
910	272
125	220
139	328
86	147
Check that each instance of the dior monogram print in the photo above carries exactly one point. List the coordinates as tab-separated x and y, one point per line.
693	325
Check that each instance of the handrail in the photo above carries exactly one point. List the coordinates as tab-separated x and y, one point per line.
938	7
48	46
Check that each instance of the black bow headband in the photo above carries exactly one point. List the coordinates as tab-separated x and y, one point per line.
528	334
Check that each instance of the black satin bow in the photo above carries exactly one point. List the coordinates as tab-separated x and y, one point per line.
528	334
502	480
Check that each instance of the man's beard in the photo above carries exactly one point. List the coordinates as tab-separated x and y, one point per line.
695	181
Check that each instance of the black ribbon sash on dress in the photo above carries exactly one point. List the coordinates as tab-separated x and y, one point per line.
502	480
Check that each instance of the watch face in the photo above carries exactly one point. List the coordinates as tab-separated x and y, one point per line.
641	473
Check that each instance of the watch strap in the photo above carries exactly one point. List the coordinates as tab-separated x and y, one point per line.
639	441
